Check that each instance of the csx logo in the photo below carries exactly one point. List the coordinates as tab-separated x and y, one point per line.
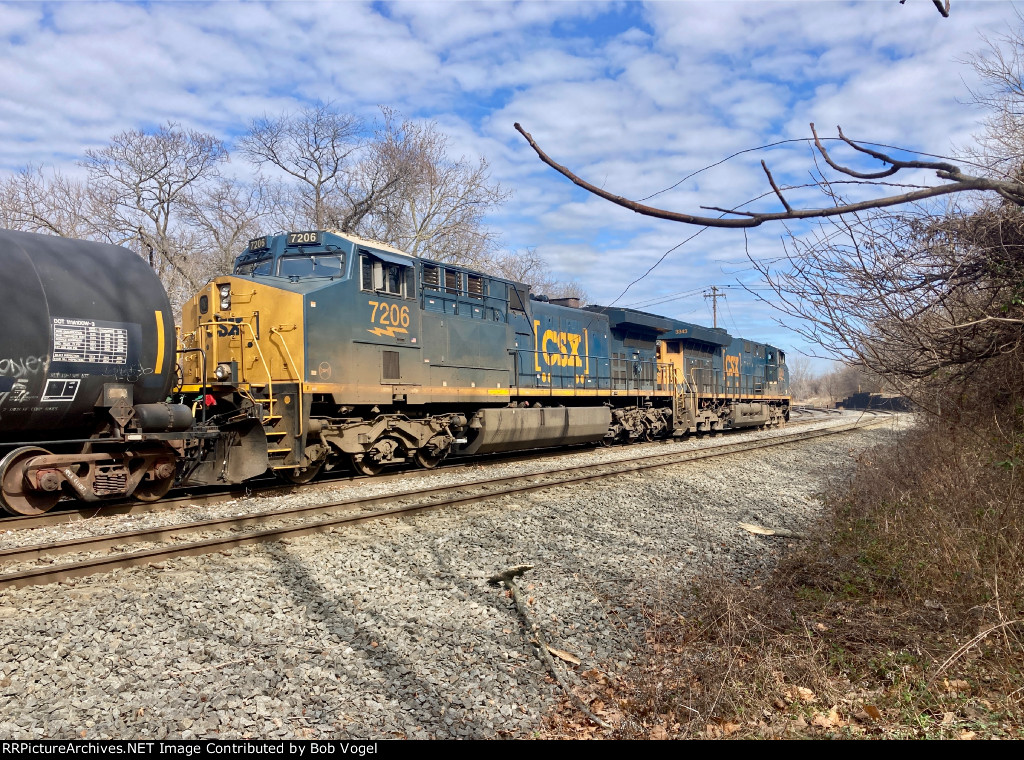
226	330
732	366
561	349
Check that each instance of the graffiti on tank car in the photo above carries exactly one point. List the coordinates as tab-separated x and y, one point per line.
129	373
23	367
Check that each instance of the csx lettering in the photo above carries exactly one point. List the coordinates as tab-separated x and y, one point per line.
561	349
732	366
229	327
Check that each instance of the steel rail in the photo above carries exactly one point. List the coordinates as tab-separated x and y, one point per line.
264	487
489	489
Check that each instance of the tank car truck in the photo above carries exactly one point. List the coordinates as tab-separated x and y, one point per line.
87	360
324	349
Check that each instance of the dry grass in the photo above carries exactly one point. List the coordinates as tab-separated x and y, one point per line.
904	619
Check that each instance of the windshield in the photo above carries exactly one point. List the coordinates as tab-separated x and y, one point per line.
316	265
255	266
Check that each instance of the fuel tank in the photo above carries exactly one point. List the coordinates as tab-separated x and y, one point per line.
77	317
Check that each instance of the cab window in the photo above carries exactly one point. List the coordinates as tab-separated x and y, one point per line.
323	265
255	266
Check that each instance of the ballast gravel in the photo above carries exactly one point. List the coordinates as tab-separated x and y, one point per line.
389	629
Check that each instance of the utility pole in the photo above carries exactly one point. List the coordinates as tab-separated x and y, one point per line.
714	295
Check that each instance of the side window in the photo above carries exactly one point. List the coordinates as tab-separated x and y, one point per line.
366	268
410	282
384	277
475	286
431	276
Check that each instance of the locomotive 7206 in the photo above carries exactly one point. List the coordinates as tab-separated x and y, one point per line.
323	349
349	351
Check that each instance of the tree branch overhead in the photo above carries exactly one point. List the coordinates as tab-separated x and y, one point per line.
954	179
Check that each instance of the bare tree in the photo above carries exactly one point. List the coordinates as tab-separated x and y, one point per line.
35	201
225	214
439	204
324	152
143	183
529	267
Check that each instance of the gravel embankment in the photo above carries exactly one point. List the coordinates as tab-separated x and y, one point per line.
390	629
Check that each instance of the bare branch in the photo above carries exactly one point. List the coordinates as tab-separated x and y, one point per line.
775	187
956	182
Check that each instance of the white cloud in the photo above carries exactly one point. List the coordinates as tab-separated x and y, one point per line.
632	97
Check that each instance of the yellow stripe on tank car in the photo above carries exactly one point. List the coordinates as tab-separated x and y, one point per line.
159	342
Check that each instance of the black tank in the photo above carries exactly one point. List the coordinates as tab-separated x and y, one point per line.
75	316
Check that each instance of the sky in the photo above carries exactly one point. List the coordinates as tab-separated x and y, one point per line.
632	96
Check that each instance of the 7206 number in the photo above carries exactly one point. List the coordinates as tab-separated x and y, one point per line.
389	314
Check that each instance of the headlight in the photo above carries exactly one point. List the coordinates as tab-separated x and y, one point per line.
225	296
223	371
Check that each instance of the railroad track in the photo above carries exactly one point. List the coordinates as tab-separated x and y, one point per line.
258	527
271	487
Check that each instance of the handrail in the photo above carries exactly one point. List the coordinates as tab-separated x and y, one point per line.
277	331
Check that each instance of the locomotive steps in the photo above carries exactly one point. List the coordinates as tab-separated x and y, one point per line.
256	527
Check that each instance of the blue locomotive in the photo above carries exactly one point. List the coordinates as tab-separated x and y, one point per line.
322	348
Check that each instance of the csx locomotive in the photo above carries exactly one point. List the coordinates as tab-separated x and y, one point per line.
324	349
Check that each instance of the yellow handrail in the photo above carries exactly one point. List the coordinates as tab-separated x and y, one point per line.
291	362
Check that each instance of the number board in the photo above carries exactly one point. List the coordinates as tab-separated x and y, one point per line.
258	244
304	238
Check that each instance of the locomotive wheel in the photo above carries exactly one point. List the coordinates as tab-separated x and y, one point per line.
428	461
299	475
366	466
14	496
153	490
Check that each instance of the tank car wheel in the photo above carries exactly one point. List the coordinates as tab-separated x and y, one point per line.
366	466
301	475
153	490
14	497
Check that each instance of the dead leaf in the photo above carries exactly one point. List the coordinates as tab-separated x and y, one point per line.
821	626
967	735
798	693
952	687
830	719
563	655
712	731
597	705
872	712
658	733
730	728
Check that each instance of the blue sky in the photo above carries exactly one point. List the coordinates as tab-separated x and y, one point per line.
633	96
